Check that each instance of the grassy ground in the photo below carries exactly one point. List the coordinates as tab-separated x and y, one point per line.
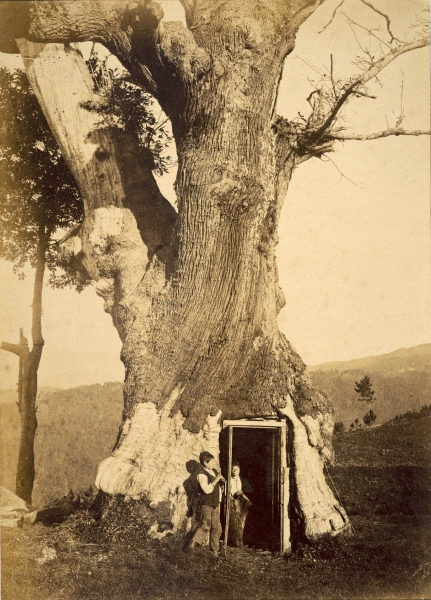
404	442
388	557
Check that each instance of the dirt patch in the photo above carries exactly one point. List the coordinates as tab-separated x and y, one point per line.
390	491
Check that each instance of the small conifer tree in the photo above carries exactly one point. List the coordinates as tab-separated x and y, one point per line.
364	389
369	417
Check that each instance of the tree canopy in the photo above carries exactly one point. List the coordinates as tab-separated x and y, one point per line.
39	197
38	194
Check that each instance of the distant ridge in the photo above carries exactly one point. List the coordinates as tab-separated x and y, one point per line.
11	396
401	380
416	358
77	430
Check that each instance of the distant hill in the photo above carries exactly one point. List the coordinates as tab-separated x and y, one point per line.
10	432
404	359
77	430
401	380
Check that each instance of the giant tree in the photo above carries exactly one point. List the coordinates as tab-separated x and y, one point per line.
194	292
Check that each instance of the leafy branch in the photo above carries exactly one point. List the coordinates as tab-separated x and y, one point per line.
126	105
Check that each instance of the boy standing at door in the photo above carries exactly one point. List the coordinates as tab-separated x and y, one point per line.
210	495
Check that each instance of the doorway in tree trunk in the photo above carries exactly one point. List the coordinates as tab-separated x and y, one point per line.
260	449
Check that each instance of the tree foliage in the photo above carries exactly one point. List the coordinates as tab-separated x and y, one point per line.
365	390
366	393
38	195
369	417
339	428
126	105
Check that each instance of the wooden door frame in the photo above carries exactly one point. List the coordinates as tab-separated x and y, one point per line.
285	543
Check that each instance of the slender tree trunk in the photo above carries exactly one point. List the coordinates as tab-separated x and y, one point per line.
27	402
27	381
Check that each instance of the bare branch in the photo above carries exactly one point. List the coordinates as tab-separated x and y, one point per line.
359	94
333	16
310	65
370	31
402	114
385	16
374	9
328	159
391	56
354	87
316	152
14	348
296	17
332	77
380	134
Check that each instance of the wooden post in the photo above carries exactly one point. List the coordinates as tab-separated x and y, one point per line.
226	525
285	543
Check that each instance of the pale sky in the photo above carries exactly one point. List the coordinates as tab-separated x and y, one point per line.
354	250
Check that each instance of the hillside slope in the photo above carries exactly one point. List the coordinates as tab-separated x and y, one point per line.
77	430
78	427
403	359
401	442
385	470
401	380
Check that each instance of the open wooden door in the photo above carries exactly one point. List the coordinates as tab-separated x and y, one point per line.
260	448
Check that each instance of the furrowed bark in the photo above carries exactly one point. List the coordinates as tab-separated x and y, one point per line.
226	352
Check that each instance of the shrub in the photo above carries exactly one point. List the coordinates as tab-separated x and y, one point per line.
369	417
339	428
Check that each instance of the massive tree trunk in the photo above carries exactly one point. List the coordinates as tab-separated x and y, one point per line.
193	295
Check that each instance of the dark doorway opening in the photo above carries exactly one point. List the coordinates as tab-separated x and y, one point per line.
258	451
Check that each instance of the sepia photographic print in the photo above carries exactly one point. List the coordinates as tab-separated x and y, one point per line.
215	299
